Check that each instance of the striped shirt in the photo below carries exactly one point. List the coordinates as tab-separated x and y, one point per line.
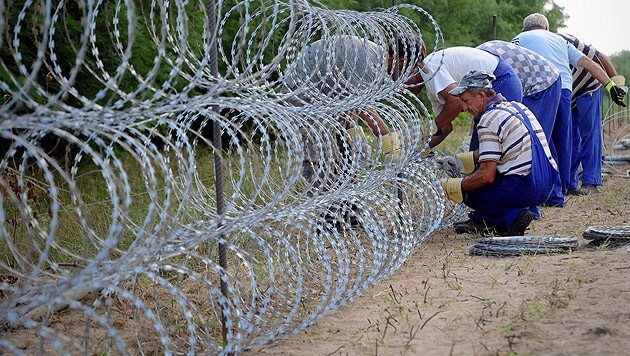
583	81
503	138
534	71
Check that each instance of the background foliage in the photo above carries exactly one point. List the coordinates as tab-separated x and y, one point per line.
463	23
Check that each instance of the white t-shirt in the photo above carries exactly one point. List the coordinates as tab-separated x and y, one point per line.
456	62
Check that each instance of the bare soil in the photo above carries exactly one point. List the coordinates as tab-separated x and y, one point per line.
444	301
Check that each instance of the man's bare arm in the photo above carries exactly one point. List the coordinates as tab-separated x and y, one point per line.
482	176
452	107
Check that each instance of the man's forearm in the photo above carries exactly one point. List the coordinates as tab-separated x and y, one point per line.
595	70
440	135
484	175
607	64
448	114
375	122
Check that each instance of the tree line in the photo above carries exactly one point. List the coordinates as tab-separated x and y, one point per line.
462	22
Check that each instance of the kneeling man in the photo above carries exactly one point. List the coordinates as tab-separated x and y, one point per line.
513	168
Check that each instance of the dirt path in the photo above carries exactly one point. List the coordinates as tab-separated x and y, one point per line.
444	301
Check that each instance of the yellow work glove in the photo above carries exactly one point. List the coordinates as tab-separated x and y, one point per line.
356	134
468	161
391	144
453	189
619	80
455	166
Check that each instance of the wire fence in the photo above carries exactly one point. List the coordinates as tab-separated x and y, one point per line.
130	157
616	136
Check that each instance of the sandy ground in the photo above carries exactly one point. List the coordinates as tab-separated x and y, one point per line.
445	302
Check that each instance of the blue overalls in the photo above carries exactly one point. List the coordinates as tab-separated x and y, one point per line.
587	139
499	203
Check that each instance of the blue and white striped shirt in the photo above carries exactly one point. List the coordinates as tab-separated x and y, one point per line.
503	138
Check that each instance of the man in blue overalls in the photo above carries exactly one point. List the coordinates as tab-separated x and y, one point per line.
510	171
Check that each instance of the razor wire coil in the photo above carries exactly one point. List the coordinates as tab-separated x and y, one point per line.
108	201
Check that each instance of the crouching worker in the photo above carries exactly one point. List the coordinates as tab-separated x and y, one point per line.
513	168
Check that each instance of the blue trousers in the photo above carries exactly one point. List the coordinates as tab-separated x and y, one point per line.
587	139
544	105
507	82
498	203
562	141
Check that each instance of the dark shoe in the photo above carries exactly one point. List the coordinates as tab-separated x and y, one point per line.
557	202
468	221
477	227
590	188
518	226
576	191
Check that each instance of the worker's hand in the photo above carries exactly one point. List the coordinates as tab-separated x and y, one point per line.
451	165
359	145
356	134
391	144
453	189
617	93
455	166
468	161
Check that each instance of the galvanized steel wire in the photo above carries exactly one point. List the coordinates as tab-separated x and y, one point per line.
117	223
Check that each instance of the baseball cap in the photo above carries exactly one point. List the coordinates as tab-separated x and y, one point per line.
473	79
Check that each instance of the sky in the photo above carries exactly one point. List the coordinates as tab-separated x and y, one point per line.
601	23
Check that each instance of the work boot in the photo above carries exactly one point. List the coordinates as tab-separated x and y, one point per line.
476	227
576	191
520	223
590	188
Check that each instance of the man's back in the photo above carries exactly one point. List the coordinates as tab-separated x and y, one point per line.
338	67
505	139
534	71
554	48
449	65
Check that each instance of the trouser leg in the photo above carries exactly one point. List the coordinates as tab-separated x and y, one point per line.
575	151
544	105
500	202
589	110
562	141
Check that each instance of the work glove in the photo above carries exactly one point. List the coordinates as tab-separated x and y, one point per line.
455	166
616	92
359	146
356	134
619	80
391	145
453	189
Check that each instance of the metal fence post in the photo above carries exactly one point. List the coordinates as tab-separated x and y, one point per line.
218	165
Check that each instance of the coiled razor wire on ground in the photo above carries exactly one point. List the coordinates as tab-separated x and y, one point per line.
616	130
109	208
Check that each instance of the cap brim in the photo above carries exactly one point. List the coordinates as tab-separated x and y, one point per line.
457	90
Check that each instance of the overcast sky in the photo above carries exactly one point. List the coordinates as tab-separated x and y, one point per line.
604	24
